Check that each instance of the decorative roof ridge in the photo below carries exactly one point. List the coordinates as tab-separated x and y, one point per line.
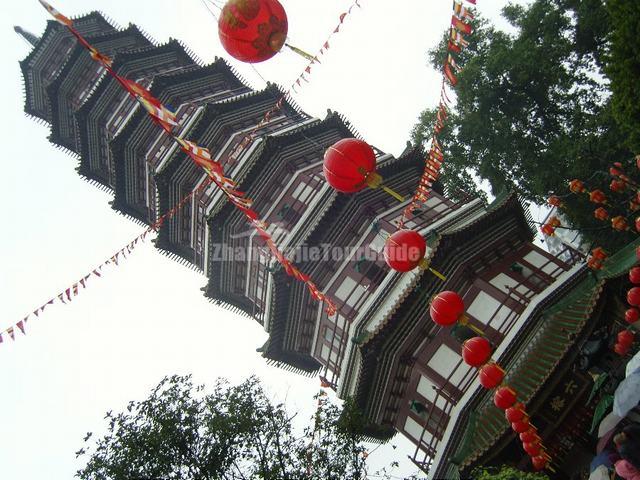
122	58
169	79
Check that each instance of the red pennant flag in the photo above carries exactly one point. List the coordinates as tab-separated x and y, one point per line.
460	25
453	80
462	12
1	338
97	273
342	17
61	297
68	293
57	15
20	325
11	333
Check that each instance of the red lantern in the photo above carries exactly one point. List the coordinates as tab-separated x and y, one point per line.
548	230
539	462
632	315
601	214
633	296
515	413
638	224
491	375
594	264
348	164
634	207
599	253
555	222
504	397
597	196
554	201
615	172
626	338
634	275
521	426
619	223
252	31
621	350
532	449
530	436
476	351
617	186
446	308
576	186
404	250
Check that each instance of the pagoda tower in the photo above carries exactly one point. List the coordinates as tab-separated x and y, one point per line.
382	349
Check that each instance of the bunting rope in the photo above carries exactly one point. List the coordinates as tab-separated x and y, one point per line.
166	119
460	26
114	260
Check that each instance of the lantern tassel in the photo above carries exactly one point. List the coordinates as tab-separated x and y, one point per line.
374	180
424	265
301	52
464	320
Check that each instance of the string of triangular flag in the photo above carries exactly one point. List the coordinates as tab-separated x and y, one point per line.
201	157
460	26
68	294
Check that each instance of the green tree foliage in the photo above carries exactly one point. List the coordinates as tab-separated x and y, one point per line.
623	67
534	109
234	432
506	473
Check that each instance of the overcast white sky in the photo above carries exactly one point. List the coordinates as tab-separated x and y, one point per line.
147	318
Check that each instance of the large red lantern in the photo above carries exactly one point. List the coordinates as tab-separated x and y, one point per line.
530	435
576	186
626	338
619	223
515	413
601	213
348	164
490	376
504	397
252	31
633	296
405	250
617	186
597	196
532	449
521	426
446	308
638	224
634	275
632	315
476	351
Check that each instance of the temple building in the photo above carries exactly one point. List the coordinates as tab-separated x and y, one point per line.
405	372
